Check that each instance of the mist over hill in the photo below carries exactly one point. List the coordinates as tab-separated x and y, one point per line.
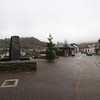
24	41
32	42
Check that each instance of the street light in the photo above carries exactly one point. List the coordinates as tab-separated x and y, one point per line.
5	46
58	48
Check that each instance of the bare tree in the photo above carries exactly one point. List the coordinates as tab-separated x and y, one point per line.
66	48
65	44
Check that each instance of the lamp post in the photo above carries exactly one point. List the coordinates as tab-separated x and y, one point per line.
5	47
58	48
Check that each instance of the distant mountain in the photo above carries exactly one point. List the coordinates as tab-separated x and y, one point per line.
31	41
24	42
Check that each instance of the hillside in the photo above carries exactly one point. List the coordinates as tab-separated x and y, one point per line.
24	41
31	41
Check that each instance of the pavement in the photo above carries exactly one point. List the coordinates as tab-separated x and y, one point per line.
67	78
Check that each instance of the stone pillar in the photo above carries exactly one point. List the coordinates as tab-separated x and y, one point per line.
14	51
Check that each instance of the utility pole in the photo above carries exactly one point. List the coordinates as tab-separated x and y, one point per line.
58	48
5	46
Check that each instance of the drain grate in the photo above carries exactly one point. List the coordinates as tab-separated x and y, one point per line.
10	83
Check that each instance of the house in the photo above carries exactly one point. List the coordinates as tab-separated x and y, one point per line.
63	50
92	48
89	48
76	48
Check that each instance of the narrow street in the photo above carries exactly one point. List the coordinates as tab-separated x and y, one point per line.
67	78
88	87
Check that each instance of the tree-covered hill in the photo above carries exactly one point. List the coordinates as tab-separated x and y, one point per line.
24	41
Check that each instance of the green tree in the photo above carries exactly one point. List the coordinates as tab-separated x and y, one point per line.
50	53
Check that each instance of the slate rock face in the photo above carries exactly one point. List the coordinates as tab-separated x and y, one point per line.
14	51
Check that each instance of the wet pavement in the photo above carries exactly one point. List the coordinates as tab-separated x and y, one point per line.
67	78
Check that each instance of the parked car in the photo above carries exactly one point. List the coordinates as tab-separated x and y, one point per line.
89	54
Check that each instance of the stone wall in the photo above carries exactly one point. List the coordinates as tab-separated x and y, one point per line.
18	66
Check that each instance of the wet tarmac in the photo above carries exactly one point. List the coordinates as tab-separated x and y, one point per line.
67	78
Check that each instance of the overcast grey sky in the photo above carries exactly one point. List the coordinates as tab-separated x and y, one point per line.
71	20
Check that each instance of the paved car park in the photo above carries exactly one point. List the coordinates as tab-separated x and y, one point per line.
67	78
